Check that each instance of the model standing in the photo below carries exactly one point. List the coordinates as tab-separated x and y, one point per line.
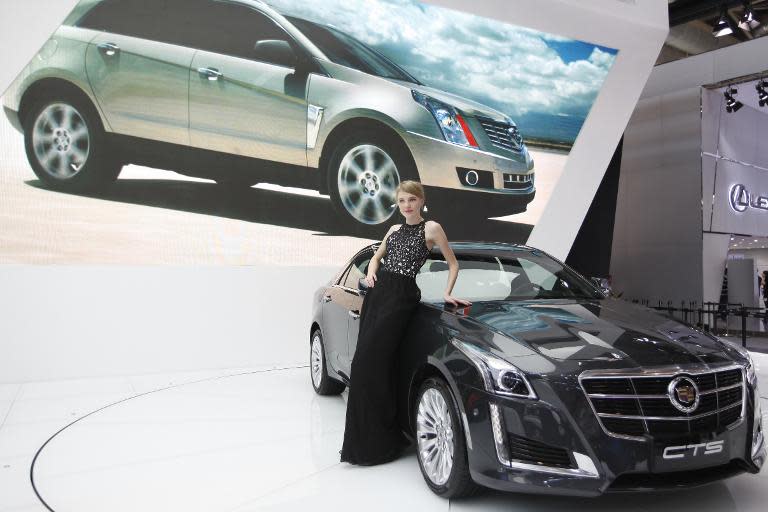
372	434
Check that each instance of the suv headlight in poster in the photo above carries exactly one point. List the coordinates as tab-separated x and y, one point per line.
281	119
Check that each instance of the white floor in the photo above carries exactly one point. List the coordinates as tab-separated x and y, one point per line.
240	440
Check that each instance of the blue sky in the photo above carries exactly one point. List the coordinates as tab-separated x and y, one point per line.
527	74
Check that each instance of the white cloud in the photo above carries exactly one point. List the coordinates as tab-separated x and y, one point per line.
507	67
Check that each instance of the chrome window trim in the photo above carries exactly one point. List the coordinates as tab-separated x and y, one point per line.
667	371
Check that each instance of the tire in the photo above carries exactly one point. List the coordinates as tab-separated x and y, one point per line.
366	196
66	145
321	381
439	433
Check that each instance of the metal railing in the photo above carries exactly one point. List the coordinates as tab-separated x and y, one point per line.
712	317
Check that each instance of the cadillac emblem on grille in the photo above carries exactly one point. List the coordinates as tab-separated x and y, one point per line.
683	394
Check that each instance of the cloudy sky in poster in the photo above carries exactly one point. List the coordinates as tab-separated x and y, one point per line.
545	82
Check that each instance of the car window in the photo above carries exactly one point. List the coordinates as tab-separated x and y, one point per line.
217	26
344	49
235	29
357	271
529	275
138	18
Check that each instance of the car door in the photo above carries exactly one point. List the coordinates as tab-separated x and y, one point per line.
335	315
138	74
358	270
244	100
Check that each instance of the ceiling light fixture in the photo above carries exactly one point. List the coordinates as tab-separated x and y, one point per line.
731	104
748	22
722	27
762	95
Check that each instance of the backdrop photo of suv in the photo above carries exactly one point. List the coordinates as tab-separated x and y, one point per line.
288	125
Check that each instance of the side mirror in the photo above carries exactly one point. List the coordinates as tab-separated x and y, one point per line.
275	51
362	286
602	285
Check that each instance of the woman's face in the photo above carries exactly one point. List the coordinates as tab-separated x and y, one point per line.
409	204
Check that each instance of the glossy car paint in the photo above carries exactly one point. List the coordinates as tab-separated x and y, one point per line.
153	91
553	342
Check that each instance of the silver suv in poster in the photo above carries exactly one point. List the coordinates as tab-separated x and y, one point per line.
233	91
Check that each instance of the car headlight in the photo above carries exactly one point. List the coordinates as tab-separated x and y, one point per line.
750	365
453	126
499	375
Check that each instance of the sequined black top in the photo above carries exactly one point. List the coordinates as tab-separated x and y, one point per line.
406	249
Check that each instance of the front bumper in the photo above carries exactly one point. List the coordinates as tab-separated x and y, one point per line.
501	185
576	457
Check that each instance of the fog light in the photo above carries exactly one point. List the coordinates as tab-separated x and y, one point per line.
499	434
757	429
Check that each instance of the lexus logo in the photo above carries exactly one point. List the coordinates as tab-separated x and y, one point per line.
741	199
683	394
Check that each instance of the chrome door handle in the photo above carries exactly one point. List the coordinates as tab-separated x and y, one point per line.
327	298
210	73
108	49
354	314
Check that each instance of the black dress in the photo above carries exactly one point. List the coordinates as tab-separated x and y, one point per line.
372	433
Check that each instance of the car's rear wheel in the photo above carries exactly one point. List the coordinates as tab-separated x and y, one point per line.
363	172
66	144
441	445
321	381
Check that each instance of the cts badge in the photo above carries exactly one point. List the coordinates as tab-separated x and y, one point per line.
692	450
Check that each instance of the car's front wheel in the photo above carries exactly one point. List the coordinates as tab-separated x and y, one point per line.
363	172
321	381
67	146
442	451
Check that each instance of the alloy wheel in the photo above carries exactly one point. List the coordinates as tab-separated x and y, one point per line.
367	180
61	140
434	434
317	360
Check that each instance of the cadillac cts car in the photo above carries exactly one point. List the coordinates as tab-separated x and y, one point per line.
233	91
545	385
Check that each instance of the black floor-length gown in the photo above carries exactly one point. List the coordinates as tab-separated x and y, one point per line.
372	433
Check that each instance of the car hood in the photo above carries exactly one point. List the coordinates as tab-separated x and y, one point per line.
608	329
465	105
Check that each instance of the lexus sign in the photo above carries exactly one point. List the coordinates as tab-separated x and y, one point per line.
741	199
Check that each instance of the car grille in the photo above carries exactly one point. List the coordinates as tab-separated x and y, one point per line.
636	405
502	135
533	452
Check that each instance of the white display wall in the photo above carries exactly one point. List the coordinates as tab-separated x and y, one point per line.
67	321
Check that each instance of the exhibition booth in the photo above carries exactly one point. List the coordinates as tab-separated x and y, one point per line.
192	191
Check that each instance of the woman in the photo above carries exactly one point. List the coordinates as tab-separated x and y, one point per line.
372	434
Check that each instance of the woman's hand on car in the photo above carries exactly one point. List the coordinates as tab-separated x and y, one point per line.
370	279
455	301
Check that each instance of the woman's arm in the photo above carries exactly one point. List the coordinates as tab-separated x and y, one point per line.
441	240
373	265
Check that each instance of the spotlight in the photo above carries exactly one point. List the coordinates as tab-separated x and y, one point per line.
722	27
731	104
762	95
748	21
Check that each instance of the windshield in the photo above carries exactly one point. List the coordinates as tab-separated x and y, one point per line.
343	49
524	276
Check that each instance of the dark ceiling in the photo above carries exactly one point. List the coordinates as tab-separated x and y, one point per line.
691	23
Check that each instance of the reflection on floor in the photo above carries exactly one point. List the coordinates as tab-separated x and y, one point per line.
241	440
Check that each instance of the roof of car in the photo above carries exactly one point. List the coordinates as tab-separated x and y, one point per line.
476	245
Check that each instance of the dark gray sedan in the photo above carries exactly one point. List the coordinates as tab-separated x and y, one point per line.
545	385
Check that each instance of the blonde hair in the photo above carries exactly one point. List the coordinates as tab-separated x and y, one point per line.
411	187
